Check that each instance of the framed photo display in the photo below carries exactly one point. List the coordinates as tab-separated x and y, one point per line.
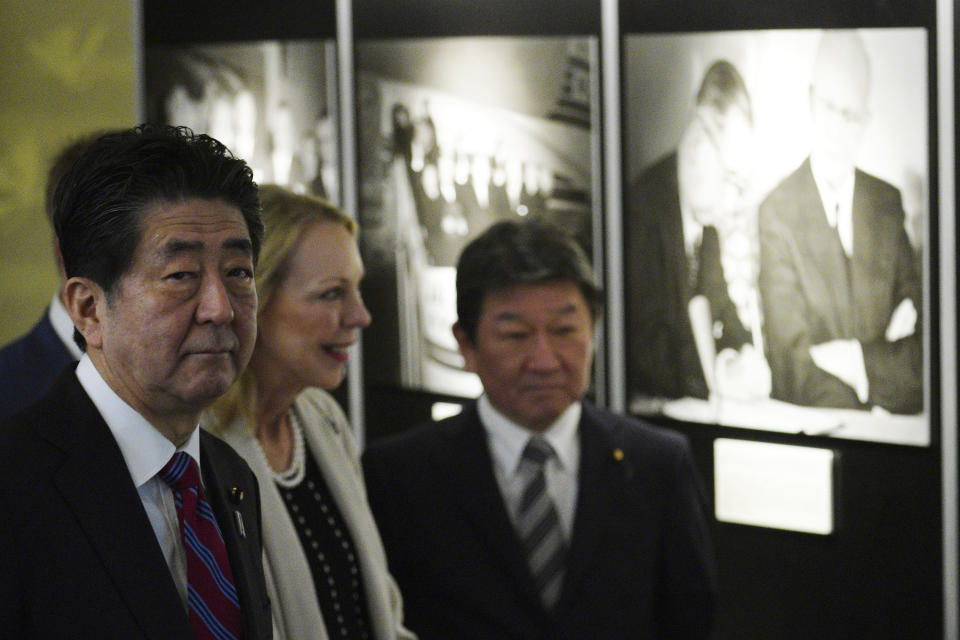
457	133
776	215
272	103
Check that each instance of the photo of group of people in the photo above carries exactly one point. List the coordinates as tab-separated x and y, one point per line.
456	134
272	103
774	226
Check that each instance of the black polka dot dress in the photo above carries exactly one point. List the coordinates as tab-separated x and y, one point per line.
330	553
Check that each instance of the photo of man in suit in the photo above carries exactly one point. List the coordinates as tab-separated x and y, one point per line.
533	514
839	284
682	315
32	362
121	519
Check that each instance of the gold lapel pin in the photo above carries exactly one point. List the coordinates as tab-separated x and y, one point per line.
236	495
618	454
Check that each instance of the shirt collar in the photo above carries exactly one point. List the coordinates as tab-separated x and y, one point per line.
145	450
63	325
830	195
507	439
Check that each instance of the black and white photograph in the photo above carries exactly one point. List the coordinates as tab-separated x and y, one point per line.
272	103
456	134
776	211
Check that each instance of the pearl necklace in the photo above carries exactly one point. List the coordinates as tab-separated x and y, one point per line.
292	476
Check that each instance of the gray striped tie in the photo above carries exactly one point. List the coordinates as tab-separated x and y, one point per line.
538	524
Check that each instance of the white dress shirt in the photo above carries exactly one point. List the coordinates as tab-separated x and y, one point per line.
837	205
63	325
146	451
507	440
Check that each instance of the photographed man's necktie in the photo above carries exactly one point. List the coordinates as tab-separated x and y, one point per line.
211	596
538	524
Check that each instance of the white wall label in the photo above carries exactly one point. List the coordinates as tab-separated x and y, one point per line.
773	485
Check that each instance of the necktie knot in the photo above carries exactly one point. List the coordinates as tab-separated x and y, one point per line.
537	451
181	472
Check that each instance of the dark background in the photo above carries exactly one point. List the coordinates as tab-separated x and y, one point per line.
879	575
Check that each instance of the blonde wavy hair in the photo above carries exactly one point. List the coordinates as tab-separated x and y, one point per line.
286	216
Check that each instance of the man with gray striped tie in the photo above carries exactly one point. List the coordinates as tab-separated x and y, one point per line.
533	514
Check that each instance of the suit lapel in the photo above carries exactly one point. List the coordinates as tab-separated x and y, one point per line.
822	243
600	489
231	494
470	468
96	485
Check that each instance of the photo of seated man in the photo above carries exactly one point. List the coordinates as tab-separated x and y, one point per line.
838	280
775	230
687	337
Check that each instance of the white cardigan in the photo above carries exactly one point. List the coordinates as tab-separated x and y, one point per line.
296	610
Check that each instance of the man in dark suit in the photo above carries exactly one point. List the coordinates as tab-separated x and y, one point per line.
839	283
121	519
30	364
534	514
679	310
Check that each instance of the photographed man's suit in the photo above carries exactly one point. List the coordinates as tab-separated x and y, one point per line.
29	365
639	563
660	280
811	293
78	556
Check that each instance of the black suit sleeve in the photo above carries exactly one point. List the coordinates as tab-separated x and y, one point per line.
686	601
895	369
380	483
11	587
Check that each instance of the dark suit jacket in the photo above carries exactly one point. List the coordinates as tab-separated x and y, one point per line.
29	365
812	293
78	557
640	563
659	283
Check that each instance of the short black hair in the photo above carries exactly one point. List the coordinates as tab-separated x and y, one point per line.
100	202
723	87
62	162
514	252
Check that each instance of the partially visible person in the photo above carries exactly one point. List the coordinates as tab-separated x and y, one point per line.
686	337
30	364
121	518
534	514
839	283
325	565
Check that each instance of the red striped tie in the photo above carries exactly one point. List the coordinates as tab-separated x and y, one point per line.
211	595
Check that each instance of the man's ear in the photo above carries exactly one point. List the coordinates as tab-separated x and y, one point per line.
85	300
466	347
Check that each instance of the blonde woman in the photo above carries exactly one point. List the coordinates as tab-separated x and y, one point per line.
323	558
